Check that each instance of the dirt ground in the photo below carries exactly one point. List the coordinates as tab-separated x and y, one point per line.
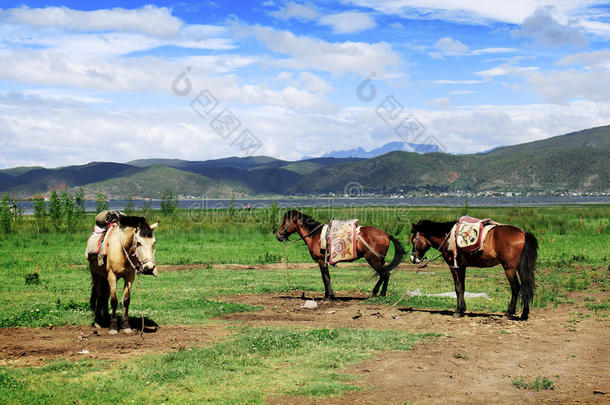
473	363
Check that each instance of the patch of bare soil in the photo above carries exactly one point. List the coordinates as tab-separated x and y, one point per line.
474	363
33	346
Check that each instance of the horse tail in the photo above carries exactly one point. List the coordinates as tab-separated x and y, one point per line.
399	253
526	268
93	298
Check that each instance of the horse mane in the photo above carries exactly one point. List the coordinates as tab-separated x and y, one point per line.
428	227
129	221
308	222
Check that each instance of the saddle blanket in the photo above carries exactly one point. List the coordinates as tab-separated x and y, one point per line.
97	243
468	234
342	240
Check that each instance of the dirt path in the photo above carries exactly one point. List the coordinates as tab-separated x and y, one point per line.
473	363
33	346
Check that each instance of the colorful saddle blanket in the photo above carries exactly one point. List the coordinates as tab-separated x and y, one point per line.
342	240
468	234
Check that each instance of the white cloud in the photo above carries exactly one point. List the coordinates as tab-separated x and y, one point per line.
448	81
150	20
506	70
450	46
485	51
338	58
587	59
348	22
484	11
562	86
461	92
301	12
546	30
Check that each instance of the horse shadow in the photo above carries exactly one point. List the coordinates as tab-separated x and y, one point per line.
150	326
446	312
303	297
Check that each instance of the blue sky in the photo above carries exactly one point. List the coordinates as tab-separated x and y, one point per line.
82	81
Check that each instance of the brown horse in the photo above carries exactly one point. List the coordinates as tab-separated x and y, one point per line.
131	249
309	230
510	246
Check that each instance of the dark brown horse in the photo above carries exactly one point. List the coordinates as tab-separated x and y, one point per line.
309	230
510	246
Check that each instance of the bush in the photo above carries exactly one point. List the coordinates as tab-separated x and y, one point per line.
101	202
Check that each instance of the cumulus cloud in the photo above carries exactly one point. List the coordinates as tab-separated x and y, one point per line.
348	22
339	58
546	30
150	20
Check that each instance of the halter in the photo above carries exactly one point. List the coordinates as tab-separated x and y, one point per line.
422	265
302	237
138	268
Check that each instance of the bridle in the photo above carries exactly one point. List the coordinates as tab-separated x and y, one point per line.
423	264
284	234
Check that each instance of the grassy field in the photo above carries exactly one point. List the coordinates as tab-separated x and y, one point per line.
573	256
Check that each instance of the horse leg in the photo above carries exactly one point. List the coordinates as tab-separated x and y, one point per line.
511	275
97	301
377	264
114	302
126	299
328	289
386	280
459	277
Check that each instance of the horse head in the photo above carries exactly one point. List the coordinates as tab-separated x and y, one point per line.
289	225
420	244
142	247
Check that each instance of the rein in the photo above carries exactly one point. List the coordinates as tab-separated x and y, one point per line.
306	236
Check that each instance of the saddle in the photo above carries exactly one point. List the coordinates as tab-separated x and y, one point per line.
468	236
339	239
97	244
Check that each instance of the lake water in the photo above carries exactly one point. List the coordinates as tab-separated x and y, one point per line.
521	201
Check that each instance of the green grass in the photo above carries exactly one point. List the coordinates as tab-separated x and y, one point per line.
252	365
255	363
539	383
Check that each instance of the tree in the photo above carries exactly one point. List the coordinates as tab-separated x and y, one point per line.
79	201
68	209
55	210
5	215
169	202
40	212
101	202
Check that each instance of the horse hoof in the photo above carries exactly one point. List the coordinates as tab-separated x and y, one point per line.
127	330
113	332
458	315
524	317
330	298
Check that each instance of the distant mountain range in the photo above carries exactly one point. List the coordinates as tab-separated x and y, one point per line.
578	161
387	148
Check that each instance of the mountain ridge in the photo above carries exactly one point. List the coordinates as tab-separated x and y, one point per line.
578	161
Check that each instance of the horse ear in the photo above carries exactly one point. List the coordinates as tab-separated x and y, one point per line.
153	226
